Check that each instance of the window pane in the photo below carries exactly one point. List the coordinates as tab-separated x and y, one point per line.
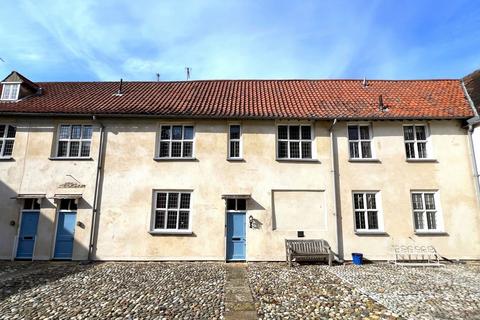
173	200
185	201
408	132
231	204
87	132
36	204
431	220
306	150
429	201
8	150
183	220
161	200
2	131
282	132
6	91
306	133
1	145
360	220
74	148
187	149
85	151
14	91
371	202
241	204
62	149
358	201
177	133
235	132
27	204
294	132
64	132
160	219
172	220
164	149
76	132
294	149
418	217
165	132
11	132
72	204
372	219
188	132
366	149
364	132
422	149
417	201
409	149
420	131
352	132
64	204
176	149
234	149
282	149
354	152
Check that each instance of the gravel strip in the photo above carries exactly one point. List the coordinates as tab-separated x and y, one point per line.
308	292
117	290
450	292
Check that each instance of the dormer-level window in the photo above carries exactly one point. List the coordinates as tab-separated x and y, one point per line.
10	91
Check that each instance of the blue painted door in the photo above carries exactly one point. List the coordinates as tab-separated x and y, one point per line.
236	236
65	231
28	232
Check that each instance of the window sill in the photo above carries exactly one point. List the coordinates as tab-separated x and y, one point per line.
374	160
6	159
297	160
371	233
70	158
431	233
422	160
236	159
172	232
175	159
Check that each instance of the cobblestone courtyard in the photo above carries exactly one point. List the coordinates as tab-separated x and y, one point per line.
156	290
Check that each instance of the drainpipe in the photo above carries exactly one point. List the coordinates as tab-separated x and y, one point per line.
333	157
96	197
474	162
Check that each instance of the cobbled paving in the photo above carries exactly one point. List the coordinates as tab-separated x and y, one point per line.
449	292
114	290
308	292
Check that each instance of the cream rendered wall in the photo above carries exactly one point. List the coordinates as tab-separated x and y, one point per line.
31	171
131	174
394	177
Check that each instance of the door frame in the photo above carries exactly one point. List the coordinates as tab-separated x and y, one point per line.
226	233
20	220
57	218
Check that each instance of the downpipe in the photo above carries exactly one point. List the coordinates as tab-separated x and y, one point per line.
476	176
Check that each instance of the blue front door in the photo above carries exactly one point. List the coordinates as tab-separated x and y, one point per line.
235	236
65	231
28	232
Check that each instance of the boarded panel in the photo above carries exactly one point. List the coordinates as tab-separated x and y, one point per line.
298	210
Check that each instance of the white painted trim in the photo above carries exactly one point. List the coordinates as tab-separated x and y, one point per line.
240	141
428	139
17	84
379	209
438	209
152	230
313	140
171	125
4	139
55	156
359	141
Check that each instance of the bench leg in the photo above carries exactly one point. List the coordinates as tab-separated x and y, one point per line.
330	259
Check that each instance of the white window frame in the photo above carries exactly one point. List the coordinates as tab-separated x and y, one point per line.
4	139
69	140
239	140
360	140
164	230
288	140
438	212
379	210
170	140
10	85
427	141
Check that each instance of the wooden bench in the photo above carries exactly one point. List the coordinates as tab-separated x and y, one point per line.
308	250
416	256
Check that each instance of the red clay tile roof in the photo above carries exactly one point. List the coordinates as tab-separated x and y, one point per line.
297	99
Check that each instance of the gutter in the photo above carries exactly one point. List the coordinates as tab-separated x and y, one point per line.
336	200
97	193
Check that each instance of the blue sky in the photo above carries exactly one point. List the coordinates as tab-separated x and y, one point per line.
91	40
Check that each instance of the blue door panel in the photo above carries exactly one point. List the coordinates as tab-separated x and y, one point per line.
28	232
236	239
65	232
